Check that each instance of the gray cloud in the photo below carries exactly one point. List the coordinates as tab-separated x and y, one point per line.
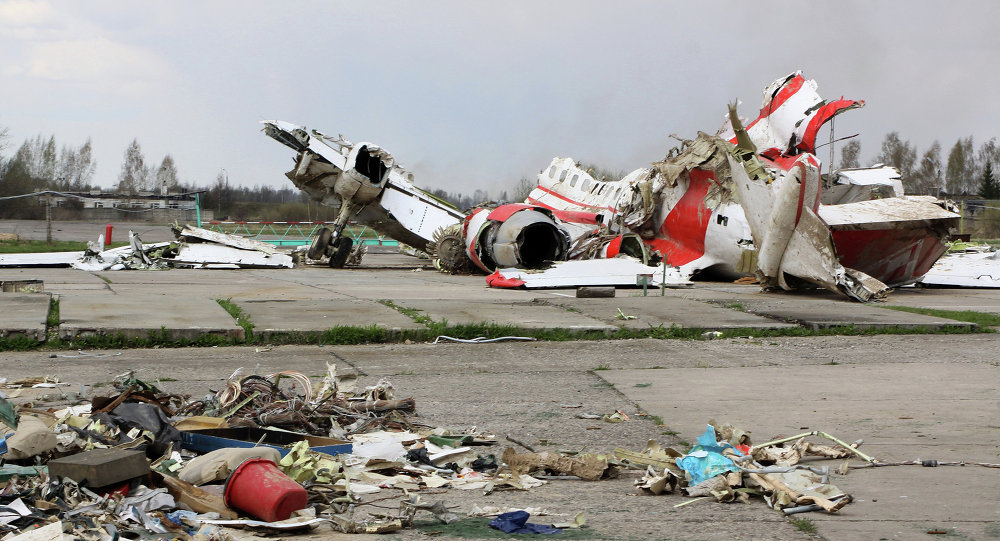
476	95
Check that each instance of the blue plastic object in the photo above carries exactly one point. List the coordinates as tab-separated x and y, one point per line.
207	440
705	460
517	522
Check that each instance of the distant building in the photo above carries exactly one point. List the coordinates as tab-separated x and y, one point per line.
97	199
143	206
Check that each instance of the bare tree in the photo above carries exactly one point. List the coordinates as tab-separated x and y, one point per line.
85	167
927	177
850	155
523	188
49	161
4	135
133	173
960	172
901	155
166	175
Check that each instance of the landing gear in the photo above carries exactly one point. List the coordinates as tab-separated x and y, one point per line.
318	247
342	250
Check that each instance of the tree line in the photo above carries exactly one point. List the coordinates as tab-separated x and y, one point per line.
40	163
968	171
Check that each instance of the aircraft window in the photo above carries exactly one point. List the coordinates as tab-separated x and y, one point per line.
586	185
573	181
562	177
552	172
618	193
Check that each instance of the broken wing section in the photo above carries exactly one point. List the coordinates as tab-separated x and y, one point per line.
896	239
792	238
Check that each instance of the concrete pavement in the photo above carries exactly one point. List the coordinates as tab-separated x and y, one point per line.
908	396
914	411
24	314
313	298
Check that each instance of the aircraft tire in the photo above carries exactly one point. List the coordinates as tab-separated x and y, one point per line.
339	257
318	247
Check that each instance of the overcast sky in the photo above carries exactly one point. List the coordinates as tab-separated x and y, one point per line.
472	94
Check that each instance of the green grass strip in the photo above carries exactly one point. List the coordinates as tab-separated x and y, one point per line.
241	317
40	246
979	318
373	334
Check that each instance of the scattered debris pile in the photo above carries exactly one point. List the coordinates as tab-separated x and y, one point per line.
281	452
725	466
195	248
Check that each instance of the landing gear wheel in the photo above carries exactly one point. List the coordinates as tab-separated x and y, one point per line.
339	257
318	247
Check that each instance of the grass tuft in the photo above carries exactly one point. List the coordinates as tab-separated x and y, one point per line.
52	319
241	317
804	525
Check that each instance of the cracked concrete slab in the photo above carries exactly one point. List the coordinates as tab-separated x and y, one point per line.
669	310
24	314
278	316
138	314
528	315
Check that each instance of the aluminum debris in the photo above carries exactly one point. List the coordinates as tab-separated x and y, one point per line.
195	248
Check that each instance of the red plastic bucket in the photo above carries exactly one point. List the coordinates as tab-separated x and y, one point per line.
258	488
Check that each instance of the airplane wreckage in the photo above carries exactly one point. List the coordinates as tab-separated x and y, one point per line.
749	200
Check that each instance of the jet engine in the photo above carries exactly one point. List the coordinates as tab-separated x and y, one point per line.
514	235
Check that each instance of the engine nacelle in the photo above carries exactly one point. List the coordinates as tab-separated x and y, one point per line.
514	235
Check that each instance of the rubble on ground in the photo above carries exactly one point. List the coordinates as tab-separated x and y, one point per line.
195	248
285	452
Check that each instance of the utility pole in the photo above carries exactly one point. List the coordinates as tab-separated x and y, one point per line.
48	218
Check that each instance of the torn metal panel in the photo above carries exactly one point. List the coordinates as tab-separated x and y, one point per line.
196	234
617	271
42	259
219	254
896	239
133	256
790	117
975	269
851	185
791	238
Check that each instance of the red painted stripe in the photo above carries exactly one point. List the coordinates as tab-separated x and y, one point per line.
681	238
577	217
820	117
498	280
503	212
614	247
577	203
538	203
